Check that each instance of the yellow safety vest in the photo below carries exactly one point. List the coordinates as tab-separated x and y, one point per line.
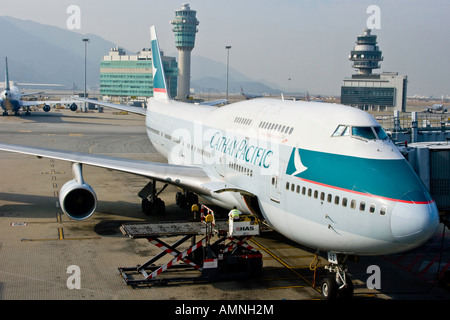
235	213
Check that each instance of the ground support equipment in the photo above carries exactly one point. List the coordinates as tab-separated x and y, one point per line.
215	257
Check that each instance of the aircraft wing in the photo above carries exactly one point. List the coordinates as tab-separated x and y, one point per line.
37	103
188	177
214	102
138	110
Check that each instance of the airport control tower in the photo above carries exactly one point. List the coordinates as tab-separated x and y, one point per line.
366	54
185	27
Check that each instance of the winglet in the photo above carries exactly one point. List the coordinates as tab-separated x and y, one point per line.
6	75
159	79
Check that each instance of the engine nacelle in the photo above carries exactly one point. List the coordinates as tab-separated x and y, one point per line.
46	108
73	107
77	200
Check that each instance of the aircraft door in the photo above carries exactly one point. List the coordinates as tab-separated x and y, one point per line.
276	182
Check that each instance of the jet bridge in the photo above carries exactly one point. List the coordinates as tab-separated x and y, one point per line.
218	255
431	162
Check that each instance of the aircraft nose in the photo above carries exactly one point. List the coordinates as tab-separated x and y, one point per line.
412	223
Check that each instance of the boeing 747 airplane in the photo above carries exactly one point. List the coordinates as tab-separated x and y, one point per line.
323	175
11	99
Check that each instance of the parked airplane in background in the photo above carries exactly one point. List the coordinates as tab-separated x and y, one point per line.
324	175
249	96
435	108
11	99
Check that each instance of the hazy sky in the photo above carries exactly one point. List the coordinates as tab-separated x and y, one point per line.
307	41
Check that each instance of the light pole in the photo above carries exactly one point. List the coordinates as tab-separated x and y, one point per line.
228	65
86	40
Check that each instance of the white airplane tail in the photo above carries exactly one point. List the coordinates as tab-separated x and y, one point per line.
159	79
6	74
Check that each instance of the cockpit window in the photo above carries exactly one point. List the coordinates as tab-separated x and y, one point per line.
380	133
369	133
364	132
339	131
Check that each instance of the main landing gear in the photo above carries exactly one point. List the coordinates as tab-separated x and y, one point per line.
338	285
152	204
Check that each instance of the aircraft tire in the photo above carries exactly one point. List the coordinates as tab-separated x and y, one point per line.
346	293
328	288
149	208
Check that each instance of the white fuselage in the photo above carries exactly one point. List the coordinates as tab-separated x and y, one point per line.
11	99
344	193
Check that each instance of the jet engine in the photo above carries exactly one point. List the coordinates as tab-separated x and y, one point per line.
46	108
76	198
73	107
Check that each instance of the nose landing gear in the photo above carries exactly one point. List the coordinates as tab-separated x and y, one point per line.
338	285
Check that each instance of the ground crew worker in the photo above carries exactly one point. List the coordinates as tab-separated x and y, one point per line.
234	213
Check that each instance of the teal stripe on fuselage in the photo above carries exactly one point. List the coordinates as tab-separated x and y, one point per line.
392	178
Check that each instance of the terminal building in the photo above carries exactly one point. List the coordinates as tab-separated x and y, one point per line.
375	92
123	75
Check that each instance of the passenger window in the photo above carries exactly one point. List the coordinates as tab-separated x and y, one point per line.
309	192
336	200
303	191
287	185
322	196
362	206
292	187
329	197
344	202
383	211
353	204
316	194
372	208
298	189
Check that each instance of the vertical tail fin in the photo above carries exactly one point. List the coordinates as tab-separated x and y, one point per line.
159	79
6	75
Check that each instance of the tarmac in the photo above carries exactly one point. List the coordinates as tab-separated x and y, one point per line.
44	255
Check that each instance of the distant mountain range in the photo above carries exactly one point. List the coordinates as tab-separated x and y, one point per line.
39	53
